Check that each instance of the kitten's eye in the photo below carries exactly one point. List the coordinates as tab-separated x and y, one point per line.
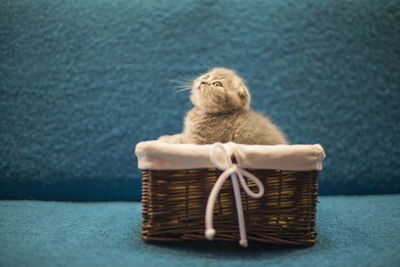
217	84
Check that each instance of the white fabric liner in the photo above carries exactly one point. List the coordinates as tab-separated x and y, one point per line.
157	155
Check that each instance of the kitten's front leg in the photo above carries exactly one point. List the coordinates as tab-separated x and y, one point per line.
173	139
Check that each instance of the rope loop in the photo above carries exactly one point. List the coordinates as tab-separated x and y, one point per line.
221	158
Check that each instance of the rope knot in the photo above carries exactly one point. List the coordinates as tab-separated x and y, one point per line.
223	161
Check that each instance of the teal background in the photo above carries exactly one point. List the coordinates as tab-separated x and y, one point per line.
81	82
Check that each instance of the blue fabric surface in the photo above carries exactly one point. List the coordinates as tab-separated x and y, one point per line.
81	82
353	231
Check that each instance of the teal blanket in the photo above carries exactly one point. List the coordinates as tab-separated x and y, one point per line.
352	231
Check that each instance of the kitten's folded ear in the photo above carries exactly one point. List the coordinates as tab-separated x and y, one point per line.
244	95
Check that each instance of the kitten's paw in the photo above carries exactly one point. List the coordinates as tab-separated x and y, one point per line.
172	139
165	138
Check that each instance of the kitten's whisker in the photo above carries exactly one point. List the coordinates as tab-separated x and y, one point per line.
188	77
182	86
181	90
184	89
184	83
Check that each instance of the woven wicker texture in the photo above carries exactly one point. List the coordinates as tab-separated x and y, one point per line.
174	203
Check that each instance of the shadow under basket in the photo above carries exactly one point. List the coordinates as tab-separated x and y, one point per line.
174	206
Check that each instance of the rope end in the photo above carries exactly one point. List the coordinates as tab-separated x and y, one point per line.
243	243
210	233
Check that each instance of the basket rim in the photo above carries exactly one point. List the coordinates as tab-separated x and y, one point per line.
159	155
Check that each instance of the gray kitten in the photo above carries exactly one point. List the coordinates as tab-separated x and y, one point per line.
221	113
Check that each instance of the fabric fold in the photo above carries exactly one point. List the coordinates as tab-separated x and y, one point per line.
157	155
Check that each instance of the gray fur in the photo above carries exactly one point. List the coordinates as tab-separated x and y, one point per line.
221	113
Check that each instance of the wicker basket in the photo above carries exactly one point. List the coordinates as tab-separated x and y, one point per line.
178	179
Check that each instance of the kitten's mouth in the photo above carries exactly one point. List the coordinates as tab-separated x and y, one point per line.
201	88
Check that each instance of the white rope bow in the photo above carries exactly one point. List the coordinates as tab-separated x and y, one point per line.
230	170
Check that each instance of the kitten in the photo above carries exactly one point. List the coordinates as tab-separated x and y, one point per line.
221	113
